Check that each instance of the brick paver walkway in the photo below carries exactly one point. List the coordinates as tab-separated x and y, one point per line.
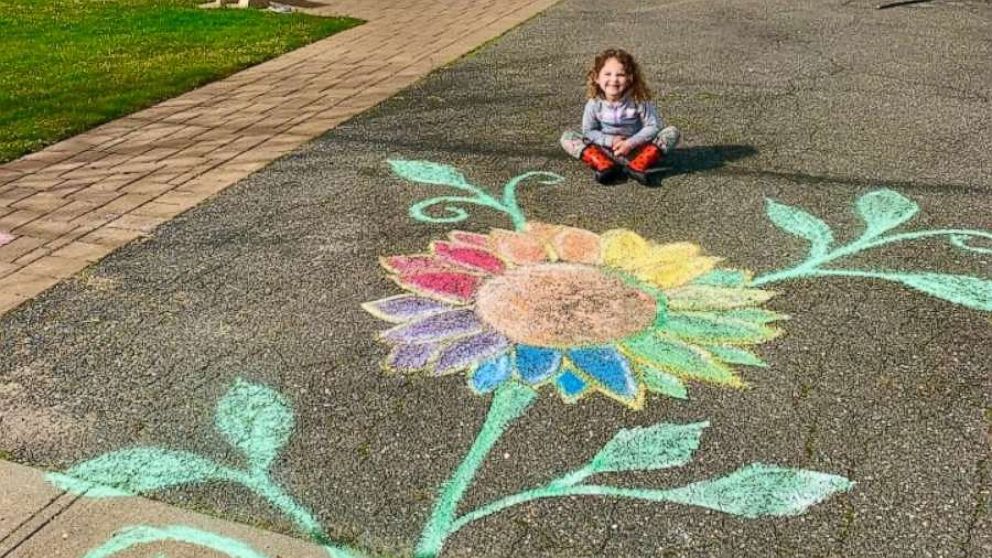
76	201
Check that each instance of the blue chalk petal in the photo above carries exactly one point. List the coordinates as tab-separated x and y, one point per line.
491	374
536	364
571	385
609	368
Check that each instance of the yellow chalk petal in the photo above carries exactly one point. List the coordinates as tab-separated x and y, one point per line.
676	274
578	245
675	251
621	248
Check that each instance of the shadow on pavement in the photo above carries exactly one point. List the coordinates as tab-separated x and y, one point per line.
700	158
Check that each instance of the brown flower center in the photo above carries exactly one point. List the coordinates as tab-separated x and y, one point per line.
562	305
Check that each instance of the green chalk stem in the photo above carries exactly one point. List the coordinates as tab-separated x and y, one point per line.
260	483
146	534
445	175
755	490
554	490
811	267
510	205
263	486
509	402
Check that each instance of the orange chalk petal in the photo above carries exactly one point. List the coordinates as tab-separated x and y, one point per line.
475	239
452	286
542	231
468	257
519	248
578	245
417	263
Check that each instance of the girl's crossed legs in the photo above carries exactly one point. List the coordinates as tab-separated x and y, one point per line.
574	143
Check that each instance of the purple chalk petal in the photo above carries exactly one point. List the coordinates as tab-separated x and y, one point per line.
402	308
470	350
436	327
5	238
406	358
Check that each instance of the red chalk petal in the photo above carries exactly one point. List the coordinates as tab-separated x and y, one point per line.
451	285
472	258
474	239
418	263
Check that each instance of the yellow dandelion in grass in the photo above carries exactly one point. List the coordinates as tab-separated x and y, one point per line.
563	306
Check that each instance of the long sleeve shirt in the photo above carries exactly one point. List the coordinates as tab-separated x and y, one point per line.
603	120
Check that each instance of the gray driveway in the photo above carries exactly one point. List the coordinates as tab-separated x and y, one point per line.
883	382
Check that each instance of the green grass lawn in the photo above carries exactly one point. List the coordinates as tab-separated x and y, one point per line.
68	65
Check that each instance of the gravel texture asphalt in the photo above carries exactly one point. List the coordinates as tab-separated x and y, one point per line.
808	103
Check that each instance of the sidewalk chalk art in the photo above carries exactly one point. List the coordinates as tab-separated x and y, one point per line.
550	306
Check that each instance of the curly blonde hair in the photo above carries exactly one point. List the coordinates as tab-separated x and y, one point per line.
637	89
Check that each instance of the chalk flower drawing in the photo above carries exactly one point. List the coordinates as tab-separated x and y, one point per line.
549	305
563	306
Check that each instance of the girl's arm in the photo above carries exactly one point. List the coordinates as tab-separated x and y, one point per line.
591	126
652	123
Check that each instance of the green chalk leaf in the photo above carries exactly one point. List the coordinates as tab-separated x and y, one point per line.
718	328
708	297
736	355
759	490
681	359
135	471
429	173
659	381
797	222
883	210
256	420
722	278
960	289
755	315
646	449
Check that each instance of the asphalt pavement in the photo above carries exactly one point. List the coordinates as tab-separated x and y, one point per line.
812	104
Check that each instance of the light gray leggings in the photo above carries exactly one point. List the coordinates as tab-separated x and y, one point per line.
573	142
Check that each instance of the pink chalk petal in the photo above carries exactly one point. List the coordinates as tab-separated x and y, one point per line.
578	245
453	286
475	239
471	258
519	248
417	263
5	238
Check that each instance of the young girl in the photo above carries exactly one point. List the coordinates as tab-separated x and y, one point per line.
621	129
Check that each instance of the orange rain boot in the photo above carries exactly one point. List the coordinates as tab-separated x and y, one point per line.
643	159
607	170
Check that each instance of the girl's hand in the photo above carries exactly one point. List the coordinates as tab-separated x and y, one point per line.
621	148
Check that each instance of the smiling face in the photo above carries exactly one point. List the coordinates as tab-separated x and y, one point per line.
612	79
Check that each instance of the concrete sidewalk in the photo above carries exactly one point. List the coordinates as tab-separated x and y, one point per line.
38	520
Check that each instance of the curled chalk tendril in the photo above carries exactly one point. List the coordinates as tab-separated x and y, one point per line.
426	172
961	241
452	213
